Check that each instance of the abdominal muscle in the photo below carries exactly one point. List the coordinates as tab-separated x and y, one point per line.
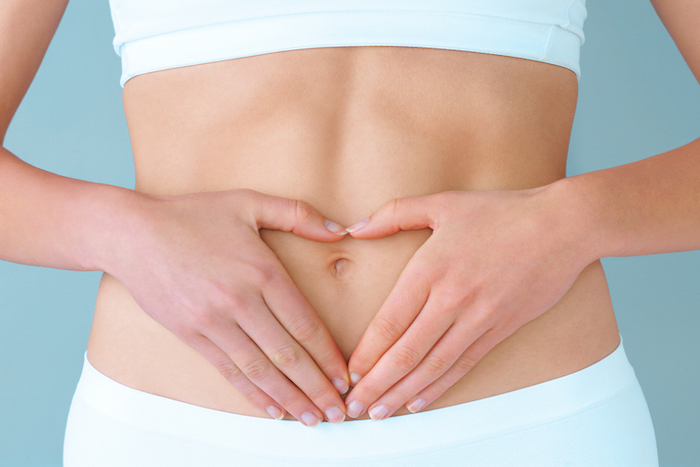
348	129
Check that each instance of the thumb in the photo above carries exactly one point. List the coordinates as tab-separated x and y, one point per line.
296	216
398	214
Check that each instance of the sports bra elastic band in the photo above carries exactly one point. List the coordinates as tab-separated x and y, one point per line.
154	35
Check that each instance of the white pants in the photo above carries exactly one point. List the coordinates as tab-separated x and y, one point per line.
595	417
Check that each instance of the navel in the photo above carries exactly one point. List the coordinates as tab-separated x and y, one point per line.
340	267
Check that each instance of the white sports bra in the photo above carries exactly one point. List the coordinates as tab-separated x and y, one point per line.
155	35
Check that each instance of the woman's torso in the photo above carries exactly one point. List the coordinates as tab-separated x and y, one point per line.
348	129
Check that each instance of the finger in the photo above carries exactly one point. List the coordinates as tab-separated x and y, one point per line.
413	213
436	363
258	368
402	358
296	216
300	320
461	367
396	314
235	376
260	324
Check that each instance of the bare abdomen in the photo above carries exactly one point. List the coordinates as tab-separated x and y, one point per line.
347	130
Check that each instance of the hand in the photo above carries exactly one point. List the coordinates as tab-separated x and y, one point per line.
495	260
197	265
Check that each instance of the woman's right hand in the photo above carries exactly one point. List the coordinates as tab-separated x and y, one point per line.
197	265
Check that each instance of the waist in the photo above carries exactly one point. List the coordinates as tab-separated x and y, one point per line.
415	434
347	130
131	348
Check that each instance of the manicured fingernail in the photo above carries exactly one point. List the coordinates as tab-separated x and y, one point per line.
355	409
310	419
358	225
379	413
416	405
275	412
335	415
340	385
355	378
336	228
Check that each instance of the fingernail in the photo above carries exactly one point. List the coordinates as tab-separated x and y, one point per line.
335	415
358	225
355	378
416	405
310	419
379	413
335	228
275	412
340	385
355	409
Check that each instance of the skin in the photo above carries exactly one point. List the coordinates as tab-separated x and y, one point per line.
625	216
347	130
54	221
478	252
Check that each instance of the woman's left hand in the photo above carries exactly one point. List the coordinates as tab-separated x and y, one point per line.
495	260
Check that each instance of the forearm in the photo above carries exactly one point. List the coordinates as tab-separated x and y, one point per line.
646	207
59	222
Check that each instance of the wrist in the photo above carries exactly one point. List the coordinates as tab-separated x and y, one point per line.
116	216
579	219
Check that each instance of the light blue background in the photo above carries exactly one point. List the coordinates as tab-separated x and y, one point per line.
637	99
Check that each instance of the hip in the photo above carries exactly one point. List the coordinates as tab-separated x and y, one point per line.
346	288
595	416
